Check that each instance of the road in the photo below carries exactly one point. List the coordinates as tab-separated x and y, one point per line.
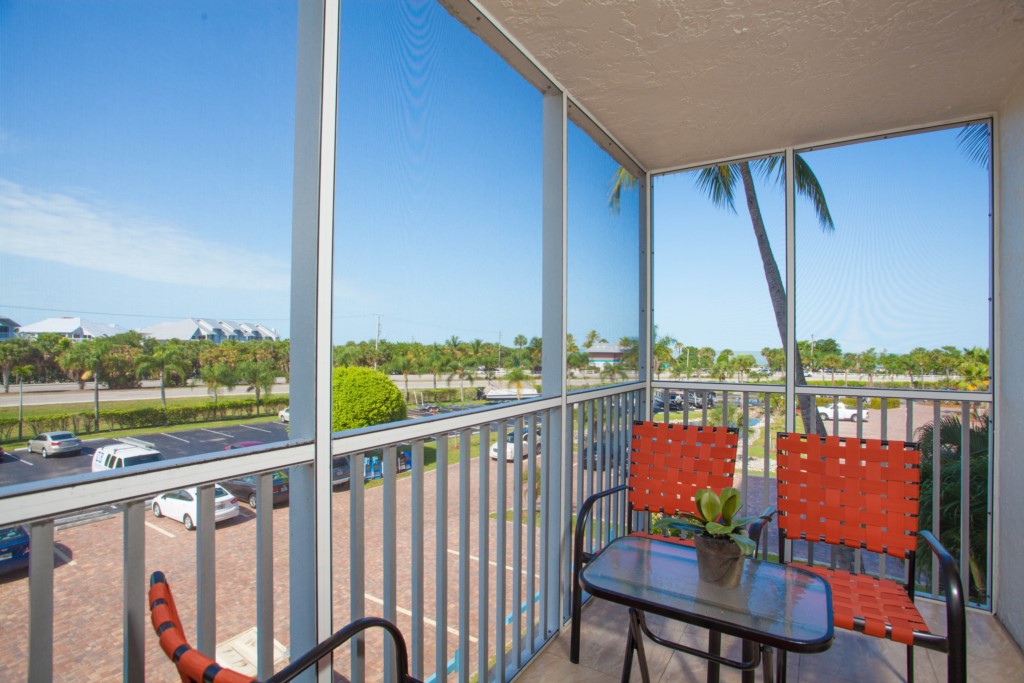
20	466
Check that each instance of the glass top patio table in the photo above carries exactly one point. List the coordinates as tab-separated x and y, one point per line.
777	605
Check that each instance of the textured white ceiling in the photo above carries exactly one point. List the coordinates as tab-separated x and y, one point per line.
680	82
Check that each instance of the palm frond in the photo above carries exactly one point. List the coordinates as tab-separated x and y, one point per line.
622	180
975	141
770	169
807	185
718	183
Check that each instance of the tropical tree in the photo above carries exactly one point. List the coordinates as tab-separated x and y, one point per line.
13	353
258	376
217	377
20	373
720	184
403	365
164	359
662	351
592	338
519	342
87	356
743	362
950	465
516	377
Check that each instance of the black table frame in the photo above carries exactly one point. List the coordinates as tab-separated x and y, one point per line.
757	647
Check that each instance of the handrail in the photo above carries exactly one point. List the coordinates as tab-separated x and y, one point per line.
340	637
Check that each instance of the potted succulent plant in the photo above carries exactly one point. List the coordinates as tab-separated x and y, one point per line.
718	534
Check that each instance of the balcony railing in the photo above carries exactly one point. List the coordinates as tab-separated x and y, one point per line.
469	554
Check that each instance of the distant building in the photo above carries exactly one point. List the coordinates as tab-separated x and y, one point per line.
76	329
605	354
7	328
216	331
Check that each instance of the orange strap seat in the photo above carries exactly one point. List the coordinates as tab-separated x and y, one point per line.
884	605
669	463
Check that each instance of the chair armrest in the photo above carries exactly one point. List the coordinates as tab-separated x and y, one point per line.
584	515
754	530
956	613
340	637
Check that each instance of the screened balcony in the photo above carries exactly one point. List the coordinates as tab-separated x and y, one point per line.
469	554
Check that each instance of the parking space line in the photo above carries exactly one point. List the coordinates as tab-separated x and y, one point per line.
426	620
172	436
154	527
219	433
494	564
23	462
257	429
62	555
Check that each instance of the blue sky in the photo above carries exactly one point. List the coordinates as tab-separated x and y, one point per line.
146	175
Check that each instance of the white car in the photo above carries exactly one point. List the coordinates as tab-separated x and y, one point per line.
283	415
510	446
843	412
183	504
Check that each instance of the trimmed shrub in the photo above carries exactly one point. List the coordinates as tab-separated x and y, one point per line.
363	397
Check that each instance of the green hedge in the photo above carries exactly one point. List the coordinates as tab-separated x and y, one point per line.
135	418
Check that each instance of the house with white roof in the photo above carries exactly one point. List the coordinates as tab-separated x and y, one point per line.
214	330
76	329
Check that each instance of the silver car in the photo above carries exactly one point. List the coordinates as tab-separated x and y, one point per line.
49	443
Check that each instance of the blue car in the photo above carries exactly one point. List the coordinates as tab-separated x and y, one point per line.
13	549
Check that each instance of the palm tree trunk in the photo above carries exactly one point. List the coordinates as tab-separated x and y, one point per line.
163	394
96	397
777	293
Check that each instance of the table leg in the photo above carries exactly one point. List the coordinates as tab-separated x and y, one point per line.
749	653
715	648
768	665
635	640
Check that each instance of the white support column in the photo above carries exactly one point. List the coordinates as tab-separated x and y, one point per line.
790	347
312	277
553	319
645	341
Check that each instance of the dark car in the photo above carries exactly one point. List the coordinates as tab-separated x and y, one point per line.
341	470
244	488
13	549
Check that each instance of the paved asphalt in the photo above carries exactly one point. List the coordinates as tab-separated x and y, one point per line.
20	466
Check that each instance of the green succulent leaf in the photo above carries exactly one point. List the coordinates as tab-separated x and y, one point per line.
717	529
745	543
730	503
710	505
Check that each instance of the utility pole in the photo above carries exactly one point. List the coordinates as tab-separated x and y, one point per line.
376	345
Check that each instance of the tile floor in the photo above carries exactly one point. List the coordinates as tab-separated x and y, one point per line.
853	657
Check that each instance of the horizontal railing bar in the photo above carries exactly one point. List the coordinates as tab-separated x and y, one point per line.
601	392
369	438
719	386
949	395
36	500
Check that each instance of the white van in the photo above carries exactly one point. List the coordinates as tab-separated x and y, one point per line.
120	455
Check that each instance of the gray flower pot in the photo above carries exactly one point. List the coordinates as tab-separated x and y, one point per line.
719	561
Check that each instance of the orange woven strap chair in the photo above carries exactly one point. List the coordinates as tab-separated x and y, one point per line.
195	667
668	464
864	493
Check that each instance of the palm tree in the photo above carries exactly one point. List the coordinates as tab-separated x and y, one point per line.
216	377
516	377
950	463
167	359
519	342
592	338
87	356
13	353
720	184
258	377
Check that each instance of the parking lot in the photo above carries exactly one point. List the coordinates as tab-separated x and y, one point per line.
20	466
88	572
